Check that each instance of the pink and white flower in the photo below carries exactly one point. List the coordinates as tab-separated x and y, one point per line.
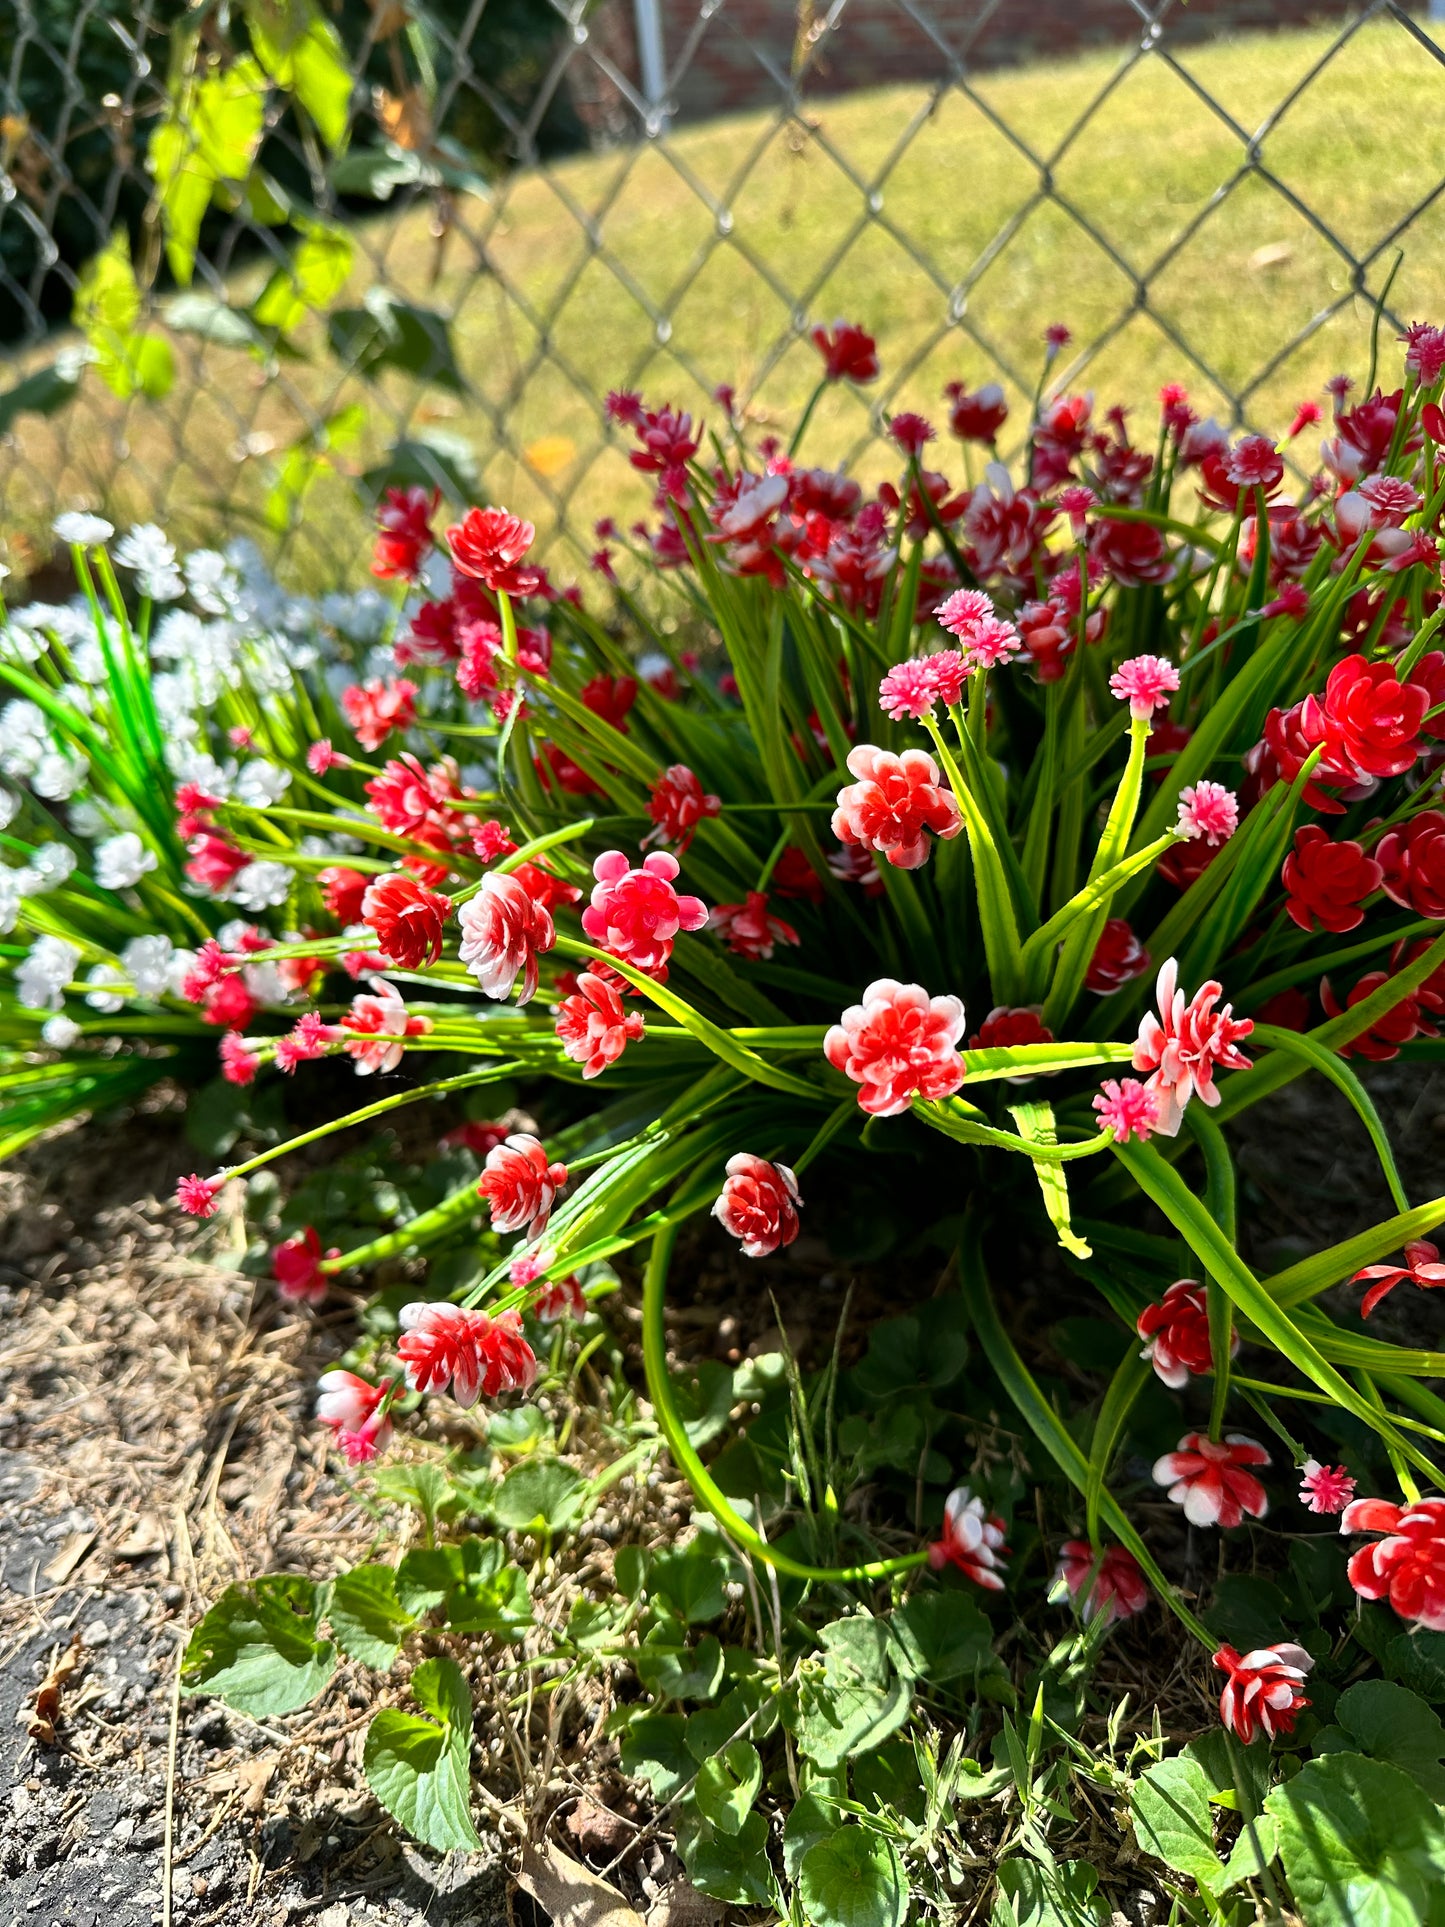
1211	1480
758	1204
377	1027
1145	683
1325	1488
895	803
1210	811
471	1351
504	928
520	1184
1108	1586
637	914
1264	1692
973	1541
1185	1044
898	1044
350	1406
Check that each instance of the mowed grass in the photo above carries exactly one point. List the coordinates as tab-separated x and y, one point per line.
919	217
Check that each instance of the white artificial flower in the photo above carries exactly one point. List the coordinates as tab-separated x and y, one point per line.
76	525
11	897
9	804
261	886
42	974
23	737
182	964
105	1001
79	696
86	817
265	983
122	861
261	784
58	776
54	862
60	1031
148	963
231	935
177	636
210	580
21	644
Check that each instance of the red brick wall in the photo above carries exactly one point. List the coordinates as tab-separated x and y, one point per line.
746	44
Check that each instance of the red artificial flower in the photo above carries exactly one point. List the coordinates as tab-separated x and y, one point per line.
1208	1477
489	544
403	523
1325	1488
377	1026
239	1062
668	442
1108	1587
308	1041
749	929
197	1195
637	914
478	1137
1177	1329
593	1027
342	891
1412	864
544	886
758	1204
1131	553
374	709
973	1541
677	805
407	798
795	878
1118	958
1372	718
894	803
407	919
472	1352
1407	1567
214	863
351	1408
476	672
1185	1044
520	1184
1422	1267
1145	683
296	1267
228	1002
911	432
1264	1692
563	1298
1004	1029
504	929
849	352
1400	1024
1327	882
610	697
1060	436
976	417
1208	812
1126	1109
898	1044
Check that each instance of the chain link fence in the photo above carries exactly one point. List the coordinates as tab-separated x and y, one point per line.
542	199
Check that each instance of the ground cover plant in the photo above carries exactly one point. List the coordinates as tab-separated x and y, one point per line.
941	883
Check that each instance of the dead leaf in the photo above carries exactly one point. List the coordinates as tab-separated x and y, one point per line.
569	1894
146	1536
74	1549
681	1905
1274	254
43	1710
403	118
598	1830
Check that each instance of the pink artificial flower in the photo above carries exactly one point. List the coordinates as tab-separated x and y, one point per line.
374	709
637	914
1110	1587
1305	416
1264	1692
403	532
911	432
214	863
239	1062
1208	1477
1185	1044
343	891
849	352
894	803
520	1184
492	840
1424	352
351	1407
1127	1109
1325	1488
377	1026
563	1298
1076	502
1056	336
1118	958
1177	1329
1422	1267
472	1352
504	928
985	638
1407	1566
296	1267
320	757
1145	683
489	544
758	1204
593	1026
749	929
197	1196
973	1540
677	805
1210	811
908	690
898	1044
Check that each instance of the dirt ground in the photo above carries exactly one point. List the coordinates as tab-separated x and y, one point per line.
156	1442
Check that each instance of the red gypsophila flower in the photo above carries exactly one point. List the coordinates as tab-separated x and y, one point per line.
749	929
403	533
374	709
296	1267
1325	1488
677	805
593	1026
407	919
1408	1566
472	1352
1327	882
1107	1588
1118	958
1422	1267
758	1204
1412	865
1208	1477
350	1406
1183	1046
1264	1692
898	1044
896	801
489	544
849	352
637	914
1177	1329
973	1540
504	928
520	1184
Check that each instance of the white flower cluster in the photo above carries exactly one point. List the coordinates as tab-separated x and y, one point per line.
42	974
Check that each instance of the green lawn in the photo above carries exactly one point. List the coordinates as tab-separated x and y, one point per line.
1360	148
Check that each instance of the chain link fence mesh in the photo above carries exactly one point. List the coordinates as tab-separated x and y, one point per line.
1224	211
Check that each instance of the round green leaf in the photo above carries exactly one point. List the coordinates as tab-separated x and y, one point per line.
853	1879
727	1785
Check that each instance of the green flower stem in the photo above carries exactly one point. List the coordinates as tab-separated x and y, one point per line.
461	1203
659	1390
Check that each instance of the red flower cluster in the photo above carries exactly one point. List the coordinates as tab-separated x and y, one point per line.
407	919
1327	882
474	1353
637	914
1118	958
489	544
898	1044
1183	1046
973	1541
1412	865
594	1027
1422	1267
1177	1330
504	928
404	537
1210	1479
1264	1691
677	805
296	1267
758	1204
1407	1566
351	1408
749	929
1106	1586
520	1184
1368	724
343	892
374	709
377	1027
896	801
849	352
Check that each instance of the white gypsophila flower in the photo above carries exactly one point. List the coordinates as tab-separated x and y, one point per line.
78	525
88	660
105	1001
145	549
148	962
174	700
30	883
261	783
231	935
19	644
191	765
122	861
177	636
58	776
183	962
75	623
212	583
11	897
261	886
79	696
53	861
86	817
23	737
265	983
310	844
268	665
9	804
42	974
60	1031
